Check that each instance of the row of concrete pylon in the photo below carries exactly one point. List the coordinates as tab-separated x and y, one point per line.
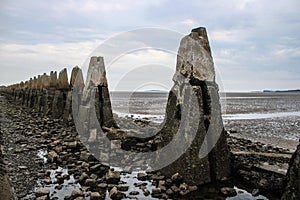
50	81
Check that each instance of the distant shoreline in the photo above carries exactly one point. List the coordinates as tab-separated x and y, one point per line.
267	91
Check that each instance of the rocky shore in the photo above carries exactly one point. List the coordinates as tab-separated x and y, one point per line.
45	159
189	156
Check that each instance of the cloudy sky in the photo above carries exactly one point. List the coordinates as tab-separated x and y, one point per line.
255	43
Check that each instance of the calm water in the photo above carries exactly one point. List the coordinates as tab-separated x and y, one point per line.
260	114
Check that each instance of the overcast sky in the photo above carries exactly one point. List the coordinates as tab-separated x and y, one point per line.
255	43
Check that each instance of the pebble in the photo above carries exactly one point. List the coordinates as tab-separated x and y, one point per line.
112	177
142	176
42	192
77	193
134	193
95	196
228	191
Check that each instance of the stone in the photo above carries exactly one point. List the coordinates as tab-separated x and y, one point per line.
45	197
183	187
77	193
255	192
134	193
53	156
123	188
90	182
72	145
112	177
114	194
102	185
169	192
292	189
85	156
22	167
146	192
83	177
95	196
176	178
79	198
175	189
42	192
228	191
156	191
142	176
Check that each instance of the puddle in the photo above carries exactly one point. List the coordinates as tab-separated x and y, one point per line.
243	194
130	179
59	190
261	115
42	154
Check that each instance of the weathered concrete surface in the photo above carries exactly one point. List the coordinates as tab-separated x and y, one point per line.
63	82
194	56
195	87
96	96
292	190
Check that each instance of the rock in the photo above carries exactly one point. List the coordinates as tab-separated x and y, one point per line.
53	156
95	196
183	187
71	145
292	189
146	192
255	192
42	192
102	185
112	177
85	156
96	168
176	178
142	176
22	167
228	192
83	177
76	193
193	188
85	164
175	189
134	193
123	188
90	182
114	194
45	197
169	192
79	198
233	130
156	191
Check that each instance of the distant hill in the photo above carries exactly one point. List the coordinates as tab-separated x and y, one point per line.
298	90
2	86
